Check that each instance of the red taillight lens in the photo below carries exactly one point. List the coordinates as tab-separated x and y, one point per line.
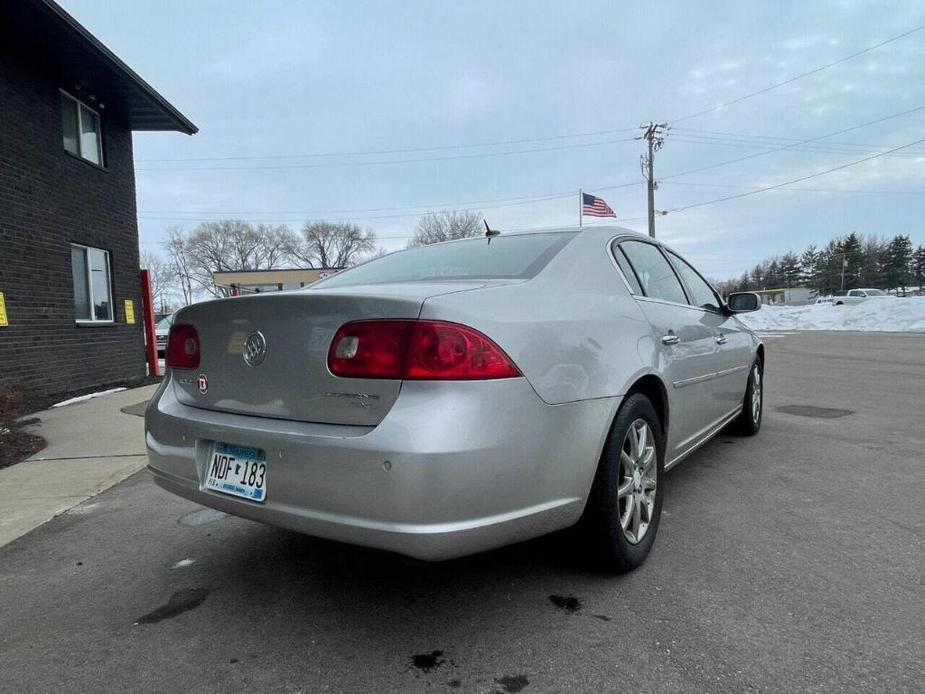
183	347
369	349
416	350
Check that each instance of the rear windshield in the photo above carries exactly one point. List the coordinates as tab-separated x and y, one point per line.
502	257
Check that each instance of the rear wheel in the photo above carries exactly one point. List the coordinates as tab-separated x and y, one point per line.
749	421
625	504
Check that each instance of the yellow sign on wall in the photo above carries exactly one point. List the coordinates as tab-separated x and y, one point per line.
130	312
3	321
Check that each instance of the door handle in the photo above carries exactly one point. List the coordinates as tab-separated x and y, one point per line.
670	339
721	340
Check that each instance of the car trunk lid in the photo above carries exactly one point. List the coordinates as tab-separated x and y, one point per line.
291	380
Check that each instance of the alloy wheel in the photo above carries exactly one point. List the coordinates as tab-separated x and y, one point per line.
756	394
638	480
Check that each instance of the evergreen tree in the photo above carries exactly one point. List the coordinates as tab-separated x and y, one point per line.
897	262
918	267
809	262
790	269
852	256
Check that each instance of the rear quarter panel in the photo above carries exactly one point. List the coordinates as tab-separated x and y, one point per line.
574	330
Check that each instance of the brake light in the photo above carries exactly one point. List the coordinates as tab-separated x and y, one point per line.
182	347
416	350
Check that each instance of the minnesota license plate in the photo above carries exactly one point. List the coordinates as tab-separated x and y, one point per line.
237	470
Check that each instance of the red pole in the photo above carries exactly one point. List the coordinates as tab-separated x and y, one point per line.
147	304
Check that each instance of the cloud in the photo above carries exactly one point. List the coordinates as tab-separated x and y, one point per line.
801	43
469	93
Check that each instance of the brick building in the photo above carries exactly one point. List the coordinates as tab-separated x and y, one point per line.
68	226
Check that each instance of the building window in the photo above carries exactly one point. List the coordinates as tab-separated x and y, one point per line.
81	126
92	285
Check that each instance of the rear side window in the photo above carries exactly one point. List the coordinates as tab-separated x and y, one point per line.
654	272
627	270
702	294
501	257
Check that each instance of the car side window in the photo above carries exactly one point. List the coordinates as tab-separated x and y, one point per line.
702	294
655	274
627	271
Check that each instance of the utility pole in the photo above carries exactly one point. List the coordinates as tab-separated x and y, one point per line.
654	135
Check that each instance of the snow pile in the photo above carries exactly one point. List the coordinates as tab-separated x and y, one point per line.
892	315
84	398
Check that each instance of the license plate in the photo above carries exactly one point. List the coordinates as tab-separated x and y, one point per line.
237	470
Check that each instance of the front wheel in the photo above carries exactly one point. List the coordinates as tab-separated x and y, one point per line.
625	505
749	421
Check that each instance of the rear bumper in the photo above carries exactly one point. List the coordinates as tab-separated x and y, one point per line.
453	469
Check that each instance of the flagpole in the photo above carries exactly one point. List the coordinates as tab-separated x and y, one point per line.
580	205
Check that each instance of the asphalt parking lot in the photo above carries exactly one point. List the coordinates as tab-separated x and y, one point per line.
789	561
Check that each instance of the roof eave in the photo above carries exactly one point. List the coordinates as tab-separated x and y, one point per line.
182	123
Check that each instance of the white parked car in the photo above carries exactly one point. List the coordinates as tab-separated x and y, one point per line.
161	330
856	296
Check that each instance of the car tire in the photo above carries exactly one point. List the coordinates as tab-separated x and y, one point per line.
748	423
617	539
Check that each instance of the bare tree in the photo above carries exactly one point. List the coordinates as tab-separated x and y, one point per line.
233	244
447	226
179	265
331	245
162	278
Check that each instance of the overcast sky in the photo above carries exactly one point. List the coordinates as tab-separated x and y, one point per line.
280	79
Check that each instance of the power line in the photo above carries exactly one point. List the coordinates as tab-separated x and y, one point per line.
326	165
815	149
549	138
815	70
409	150
769	139
412	210
796	180
804	141
853	191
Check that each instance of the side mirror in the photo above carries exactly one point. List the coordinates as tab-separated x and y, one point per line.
743	302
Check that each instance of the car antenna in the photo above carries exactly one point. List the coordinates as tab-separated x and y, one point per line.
489	232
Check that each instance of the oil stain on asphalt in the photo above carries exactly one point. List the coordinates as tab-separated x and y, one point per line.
513	684
427	661
569	603
180	602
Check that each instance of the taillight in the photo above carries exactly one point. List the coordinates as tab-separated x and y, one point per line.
416	350
183	347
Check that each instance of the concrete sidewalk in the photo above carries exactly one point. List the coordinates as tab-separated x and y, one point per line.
91	446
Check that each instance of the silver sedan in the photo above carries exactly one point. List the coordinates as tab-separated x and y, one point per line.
453	398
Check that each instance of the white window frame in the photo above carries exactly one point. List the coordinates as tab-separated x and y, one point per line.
89	279
99	132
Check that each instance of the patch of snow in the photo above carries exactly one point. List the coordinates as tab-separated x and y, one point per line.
894	315
183	563
84	398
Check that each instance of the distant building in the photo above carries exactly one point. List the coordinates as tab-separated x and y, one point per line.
69	275
786	296
253	281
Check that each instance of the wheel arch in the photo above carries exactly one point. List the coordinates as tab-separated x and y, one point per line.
654	389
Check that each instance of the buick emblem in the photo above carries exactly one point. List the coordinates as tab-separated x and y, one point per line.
255	349
203	383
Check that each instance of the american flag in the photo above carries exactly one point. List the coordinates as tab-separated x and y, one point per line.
594	206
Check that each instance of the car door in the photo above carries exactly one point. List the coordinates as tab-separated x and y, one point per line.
734	343
684	349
